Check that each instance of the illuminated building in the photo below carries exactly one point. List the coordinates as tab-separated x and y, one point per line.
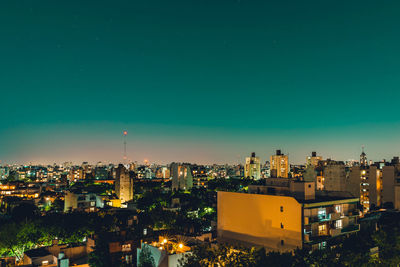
252	168
285	215
123	184
182	178
365	182
4	172
279	165
75	174
166	252
163	173
84	201
363	158
313	160
101	173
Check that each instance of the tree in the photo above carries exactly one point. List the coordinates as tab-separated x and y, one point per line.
24	211
145	257
100	256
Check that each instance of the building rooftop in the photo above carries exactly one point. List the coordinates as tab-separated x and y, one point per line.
39	252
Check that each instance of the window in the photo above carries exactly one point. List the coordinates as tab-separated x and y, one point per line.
126	247
322	214
338	224
281	208
45	262
322	229
338	208
282	225
282	242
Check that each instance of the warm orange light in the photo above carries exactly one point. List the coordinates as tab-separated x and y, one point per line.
125	133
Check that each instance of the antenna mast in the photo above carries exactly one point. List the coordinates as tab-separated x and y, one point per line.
125	157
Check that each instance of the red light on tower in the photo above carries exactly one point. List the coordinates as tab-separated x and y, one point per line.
125	133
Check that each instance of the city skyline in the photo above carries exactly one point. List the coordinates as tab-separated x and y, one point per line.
202	82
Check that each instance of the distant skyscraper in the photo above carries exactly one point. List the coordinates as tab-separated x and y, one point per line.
279	165
252	168
182	178
123	184
313	159
363	158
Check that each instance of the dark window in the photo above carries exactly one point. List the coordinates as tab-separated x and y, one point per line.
309	186
281	225
281	208
282	242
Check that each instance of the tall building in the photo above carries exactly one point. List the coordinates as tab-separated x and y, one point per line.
101	173
182	178
365	182
279	165
391	183
313	159
252	168
123	184
363	158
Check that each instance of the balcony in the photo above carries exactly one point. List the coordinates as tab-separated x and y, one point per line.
354	212
351	228
335	232
334	216
306	238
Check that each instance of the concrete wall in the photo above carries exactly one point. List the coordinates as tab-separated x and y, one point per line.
374	194
335	177
353	181
388	182
397	197
257	219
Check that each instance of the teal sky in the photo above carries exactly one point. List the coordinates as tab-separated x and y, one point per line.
198	80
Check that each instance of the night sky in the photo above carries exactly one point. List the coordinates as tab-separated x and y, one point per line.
198	81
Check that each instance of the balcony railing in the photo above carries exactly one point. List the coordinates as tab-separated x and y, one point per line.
351	228
329	217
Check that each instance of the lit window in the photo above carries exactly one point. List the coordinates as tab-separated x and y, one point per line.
322	229
126	247
338	208
322	214
338	224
